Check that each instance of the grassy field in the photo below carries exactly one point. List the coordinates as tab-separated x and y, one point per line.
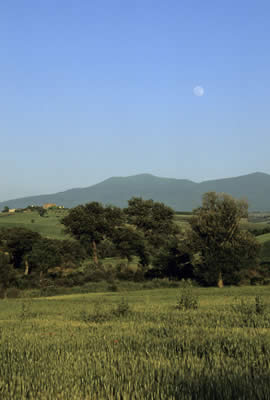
95	346
48	226
264	238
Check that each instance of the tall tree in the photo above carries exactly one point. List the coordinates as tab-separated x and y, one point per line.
220	247
173	260
45	254
92	223
154	219
18	242
129	242
7	273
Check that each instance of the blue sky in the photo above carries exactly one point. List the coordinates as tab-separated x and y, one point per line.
94	89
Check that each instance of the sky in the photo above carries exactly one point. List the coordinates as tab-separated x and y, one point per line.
101	88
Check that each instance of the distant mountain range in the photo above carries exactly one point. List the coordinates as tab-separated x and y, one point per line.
180	194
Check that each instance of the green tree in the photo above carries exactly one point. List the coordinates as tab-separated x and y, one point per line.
92	223
18	242
173	261
45	254
7	273
6	209
129	242
154	219
221	249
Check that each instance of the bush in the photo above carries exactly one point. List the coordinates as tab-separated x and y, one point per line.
188	300
122	308
257	280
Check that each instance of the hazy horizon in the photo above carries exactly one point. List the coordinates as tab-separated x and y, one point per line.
91	90
165	177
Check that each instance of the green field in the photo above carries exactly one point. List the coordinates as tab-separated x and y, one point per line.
48	226
93	347
51	227
264	238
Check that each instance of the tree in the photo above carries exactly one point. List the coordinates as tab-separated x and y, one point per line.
7	273
6	209
92	223
129	242
221	250
154	219
172	261
45	254
18	242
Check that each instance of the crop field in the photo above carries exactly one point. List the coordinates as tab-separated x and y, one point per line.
100	346
48	226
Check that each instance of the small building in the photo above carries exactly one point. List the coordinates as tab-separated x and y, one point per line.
48	205
12	210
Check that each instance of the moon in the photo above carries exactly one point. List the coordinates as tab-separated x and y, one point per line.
198	91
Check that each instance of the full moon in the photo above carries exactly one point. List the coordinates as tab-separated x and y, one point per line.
198	91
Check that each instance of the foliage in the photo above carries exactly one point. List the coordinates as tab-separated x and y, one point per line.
173	261
18	242
129	242
221	249
154	219
188	300
92	223
7	273
45	254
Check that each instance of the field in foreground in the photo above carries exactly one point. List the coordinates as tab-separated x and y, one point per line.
96	346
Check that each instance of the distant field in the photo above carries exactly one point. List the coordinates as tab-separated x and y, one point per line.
263	238
182	220
48	226
95	346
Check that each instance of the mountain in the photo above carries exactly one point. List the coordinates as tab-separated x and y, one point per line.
180	194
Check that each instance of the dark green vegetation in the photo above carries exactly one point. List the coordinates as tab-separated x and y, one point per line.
146	240
101	346
180	194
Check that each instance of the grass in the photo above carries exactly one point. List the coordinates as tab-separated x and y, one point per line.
48	226
99	346
263	238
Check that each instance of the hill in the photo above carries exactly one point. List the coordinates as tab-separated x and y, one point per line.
180	194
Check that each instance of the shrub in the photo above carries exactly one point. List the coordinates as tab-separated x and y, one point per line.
188	300
256	280
260	306
122	308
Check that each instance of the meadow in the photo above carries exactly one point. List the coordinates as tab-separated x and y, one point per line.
137	345
48	226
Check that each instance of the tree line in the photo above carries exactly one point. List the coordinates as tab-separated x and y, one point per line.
214	250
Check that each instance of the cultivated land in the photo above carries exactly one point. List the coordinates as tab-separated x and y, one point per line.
93	347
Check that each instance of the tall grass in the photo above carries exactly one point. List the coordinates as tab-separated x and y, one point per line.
137	345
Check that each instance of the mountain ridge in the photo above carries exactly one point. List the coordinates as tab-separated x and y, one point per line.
180	194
